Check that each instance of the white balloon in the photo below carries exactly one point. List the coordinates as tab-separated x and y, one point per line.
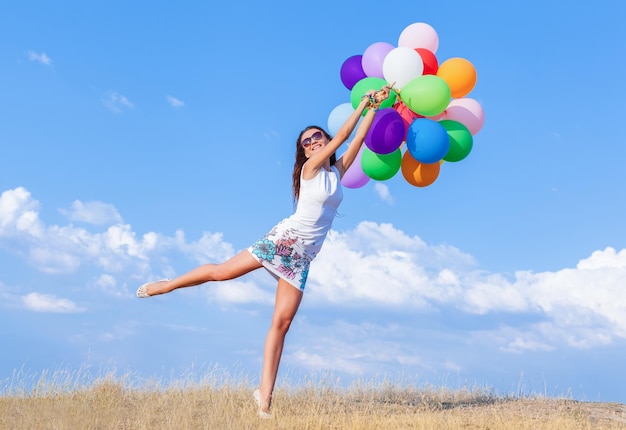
402	65
419	35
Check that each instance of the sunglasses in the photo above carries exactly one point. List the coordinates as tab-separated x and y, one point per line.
315	136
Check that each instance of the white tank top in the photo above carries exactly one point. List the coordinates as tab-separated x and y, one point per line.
316	208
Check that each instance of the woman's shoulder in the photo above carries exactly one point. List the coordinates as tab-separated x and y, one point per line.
309	171
310	175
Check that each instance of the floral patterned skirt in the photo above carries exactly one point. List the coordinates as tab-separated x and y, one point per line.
282	253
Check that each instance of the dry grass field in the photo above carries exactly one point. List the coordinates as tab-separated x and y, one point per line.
61	402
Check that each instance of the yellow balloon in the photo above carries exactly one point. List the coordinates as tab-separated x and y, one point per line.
459	74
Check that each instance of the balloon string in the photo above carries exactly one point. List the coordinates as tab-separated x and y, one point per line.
395	90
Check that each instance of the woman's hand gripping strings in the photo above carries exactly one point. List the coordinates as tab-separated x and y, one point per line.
321	158
371	101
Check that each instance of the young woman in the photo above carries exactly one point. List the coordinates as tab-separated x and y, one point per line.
288	249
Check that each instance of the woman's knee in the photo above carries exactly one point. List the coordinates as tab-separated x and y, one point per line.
218	272
235	267
281	324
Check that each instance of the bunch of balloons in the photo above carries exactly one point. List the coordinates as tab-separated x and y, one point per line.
428	112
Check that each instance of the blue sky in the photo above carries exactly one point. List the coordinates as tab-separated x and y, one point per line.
137	142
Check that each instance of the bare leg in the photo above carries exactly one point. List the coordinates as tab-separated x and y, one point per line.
288	300
236	266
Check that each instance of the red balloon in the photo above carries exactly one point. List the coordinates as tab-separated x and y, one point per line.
407	114
431	65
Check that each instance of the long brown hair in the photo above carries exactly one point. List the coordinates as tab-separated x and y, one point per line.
301	159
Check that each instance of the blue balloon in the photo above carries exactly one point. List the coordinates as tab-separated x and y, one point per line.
338	116
427	140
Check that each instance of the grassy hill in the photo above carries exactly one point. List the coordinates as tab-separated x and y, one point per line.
114	403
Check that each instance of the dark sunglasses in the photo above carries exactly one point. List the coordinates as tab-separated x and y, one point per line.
315	136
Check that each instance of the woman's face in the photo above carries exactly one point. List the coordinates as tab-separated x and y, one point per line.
313	140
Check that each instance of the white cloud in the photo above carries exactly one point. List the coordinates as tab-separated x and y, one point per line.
271	135
174	102
117	249
105	281
520	345
372	266
39	58
49	303
118	332
54	261
96	213
326	360
354	348
19	214
62	249
110	285
377	265
605	258
383	192
482	293
239	291
116	102
210	247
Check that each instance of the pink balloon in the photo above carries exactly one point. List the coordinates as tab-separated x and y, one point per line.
355	177
419	35
373	58
467	111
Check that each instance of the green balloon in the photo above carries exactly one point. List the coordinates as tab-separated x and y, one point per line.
426	95
380	167
461	140
370	83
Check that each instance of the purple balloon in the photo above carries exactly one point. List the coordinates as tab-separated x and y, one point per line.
386	133
352	71
373	58
355	177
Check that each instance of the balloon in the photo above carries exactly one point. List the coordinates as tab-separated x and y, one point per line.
381	166
355	177
352	71
430	61
427	95
419	174
427	140
401	65
338	116
461	140
419	35
366	84
373	58
406	114
467	111
386	133
460	75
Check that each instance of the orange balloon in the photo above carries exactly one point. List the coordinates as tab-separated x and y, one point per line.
419	174
459	74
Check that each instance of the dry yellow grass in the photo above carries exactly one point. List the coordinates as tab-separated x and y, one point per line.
115	403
